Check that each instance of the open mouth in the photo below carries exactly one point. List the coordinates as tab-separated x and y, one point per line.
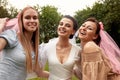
32	24
82	33
62	30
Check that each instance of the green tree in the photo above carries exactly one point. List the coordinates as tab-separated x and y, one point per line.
107	11
6	10
13	12
49	18
3	10
3	3
112	18
81	15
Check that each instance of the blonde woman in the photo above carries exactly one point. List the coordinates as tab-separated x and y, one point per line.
20	50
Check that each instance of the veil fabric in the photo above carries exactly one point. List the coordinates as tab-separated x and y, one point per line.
12	24
110	48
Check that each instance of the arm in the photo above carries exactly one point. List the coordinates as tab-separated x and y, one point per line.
77	72
42	61
2	23
3	43
41	73
77	67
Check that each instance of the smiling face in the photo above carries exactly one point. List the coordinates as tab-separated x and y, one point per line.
30	20
65	28
87	31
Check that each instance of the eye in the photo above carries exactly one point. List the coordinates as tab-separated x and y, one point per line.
90	27
60	23
35	17
27	17
67	25
82	25
30	17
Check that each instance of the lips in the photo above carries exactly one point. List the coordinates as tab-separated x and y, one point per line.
83	32
32	24
62	30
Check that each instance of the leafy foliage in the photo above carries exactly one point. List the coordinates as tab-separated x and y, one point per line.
107	11
3	10
6	10
49	18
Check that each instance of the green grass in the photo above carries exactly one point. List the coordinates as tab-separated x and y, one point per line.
46	68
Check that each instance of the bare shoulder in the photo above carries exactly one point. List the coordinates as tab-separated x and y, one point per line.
91	47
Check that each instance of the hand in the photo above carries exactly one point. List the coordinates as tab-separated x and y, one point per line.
2	23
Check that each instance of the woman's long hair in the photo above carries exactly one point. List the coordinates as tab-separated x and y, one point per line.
26	43
108	46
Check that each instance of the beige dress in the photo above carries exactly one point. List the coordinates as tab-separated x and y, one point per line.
94	64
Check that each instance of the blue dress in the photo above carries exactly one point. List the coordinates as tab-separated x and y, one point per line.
13	60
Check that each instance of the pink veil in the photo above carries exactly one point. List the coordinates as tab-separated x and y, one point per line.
11	24
112	51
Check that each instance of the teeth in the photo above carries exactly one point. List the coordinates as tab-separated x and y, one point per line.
32	24
62	30
83	33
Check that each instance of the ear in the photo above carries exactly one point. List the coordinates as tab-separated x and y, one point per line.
73	32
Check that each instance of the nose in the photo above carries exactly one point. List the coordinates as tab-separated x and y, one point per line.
83	27
63	26
32	20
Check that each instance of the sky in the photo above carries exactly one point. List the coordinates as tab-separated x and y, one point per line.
65	7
